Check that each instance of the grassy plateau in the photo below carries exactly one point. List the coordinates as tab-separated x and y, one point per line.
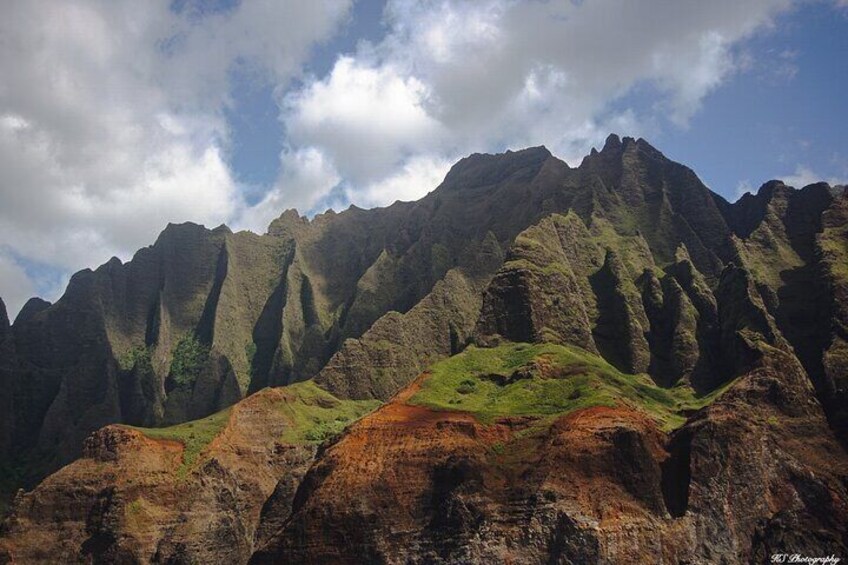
547	380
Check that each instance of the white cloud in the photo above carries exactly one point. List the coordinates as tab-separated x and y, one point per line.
453	77
803	175
112	123
418	176
306	177
17	286
360	109
111	118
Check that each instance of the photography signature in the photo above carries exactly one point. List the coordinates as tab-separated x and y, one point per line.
804	559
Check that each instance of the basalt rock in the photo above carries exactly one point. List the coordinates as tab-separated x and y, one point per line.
537	295
29	310
131	498
675	351
8	480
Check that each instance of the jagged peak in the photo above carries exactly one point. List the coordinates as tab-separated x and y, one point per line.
616	147
180	226
480	169
112	263
174	231
292	215
647	148
32	308
774	187
539	151
286	222
769	188
612	143
747	213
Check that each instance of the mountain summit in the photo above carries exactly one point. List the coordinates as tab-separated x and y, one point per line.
531	363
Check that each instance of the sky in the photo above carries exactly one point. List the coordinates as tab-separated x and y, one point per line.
119	116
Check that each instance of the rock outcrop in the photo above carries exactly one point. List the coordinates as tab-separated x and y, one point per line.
188	494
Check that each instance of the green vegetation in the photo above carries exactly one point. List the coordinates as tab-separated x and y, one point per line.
547	380
440	260
194	435
137	356
767	254
189	357
250	352
467	386
317	415
834	246
133	507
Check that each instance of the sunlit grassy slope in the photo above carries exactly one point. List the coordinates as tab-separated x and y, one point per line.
512	379
314	415
317	415
547	380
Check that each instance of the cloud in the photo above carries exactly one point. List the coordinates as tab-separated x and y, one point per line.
113	122
362	108
453	77
742	188
112	117
307	177
803	176
418	176
16	284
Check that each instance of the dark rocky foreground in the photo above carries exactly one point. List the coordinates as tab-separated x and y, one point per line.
629	258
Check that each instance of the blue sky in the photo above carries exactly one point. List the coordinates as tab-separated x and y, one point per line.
782	114
117	117
777	115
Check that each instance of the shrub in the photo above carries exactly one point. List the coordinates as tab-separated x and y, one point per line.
325	430
134	507
467	386
189	357
137	356
250	351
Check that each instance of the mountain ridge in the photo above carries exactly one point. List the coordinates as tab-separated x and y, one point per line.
629	257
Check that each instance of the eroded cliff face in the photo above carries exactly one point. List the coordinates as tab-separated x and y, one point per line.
187	494
699	414
604	484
